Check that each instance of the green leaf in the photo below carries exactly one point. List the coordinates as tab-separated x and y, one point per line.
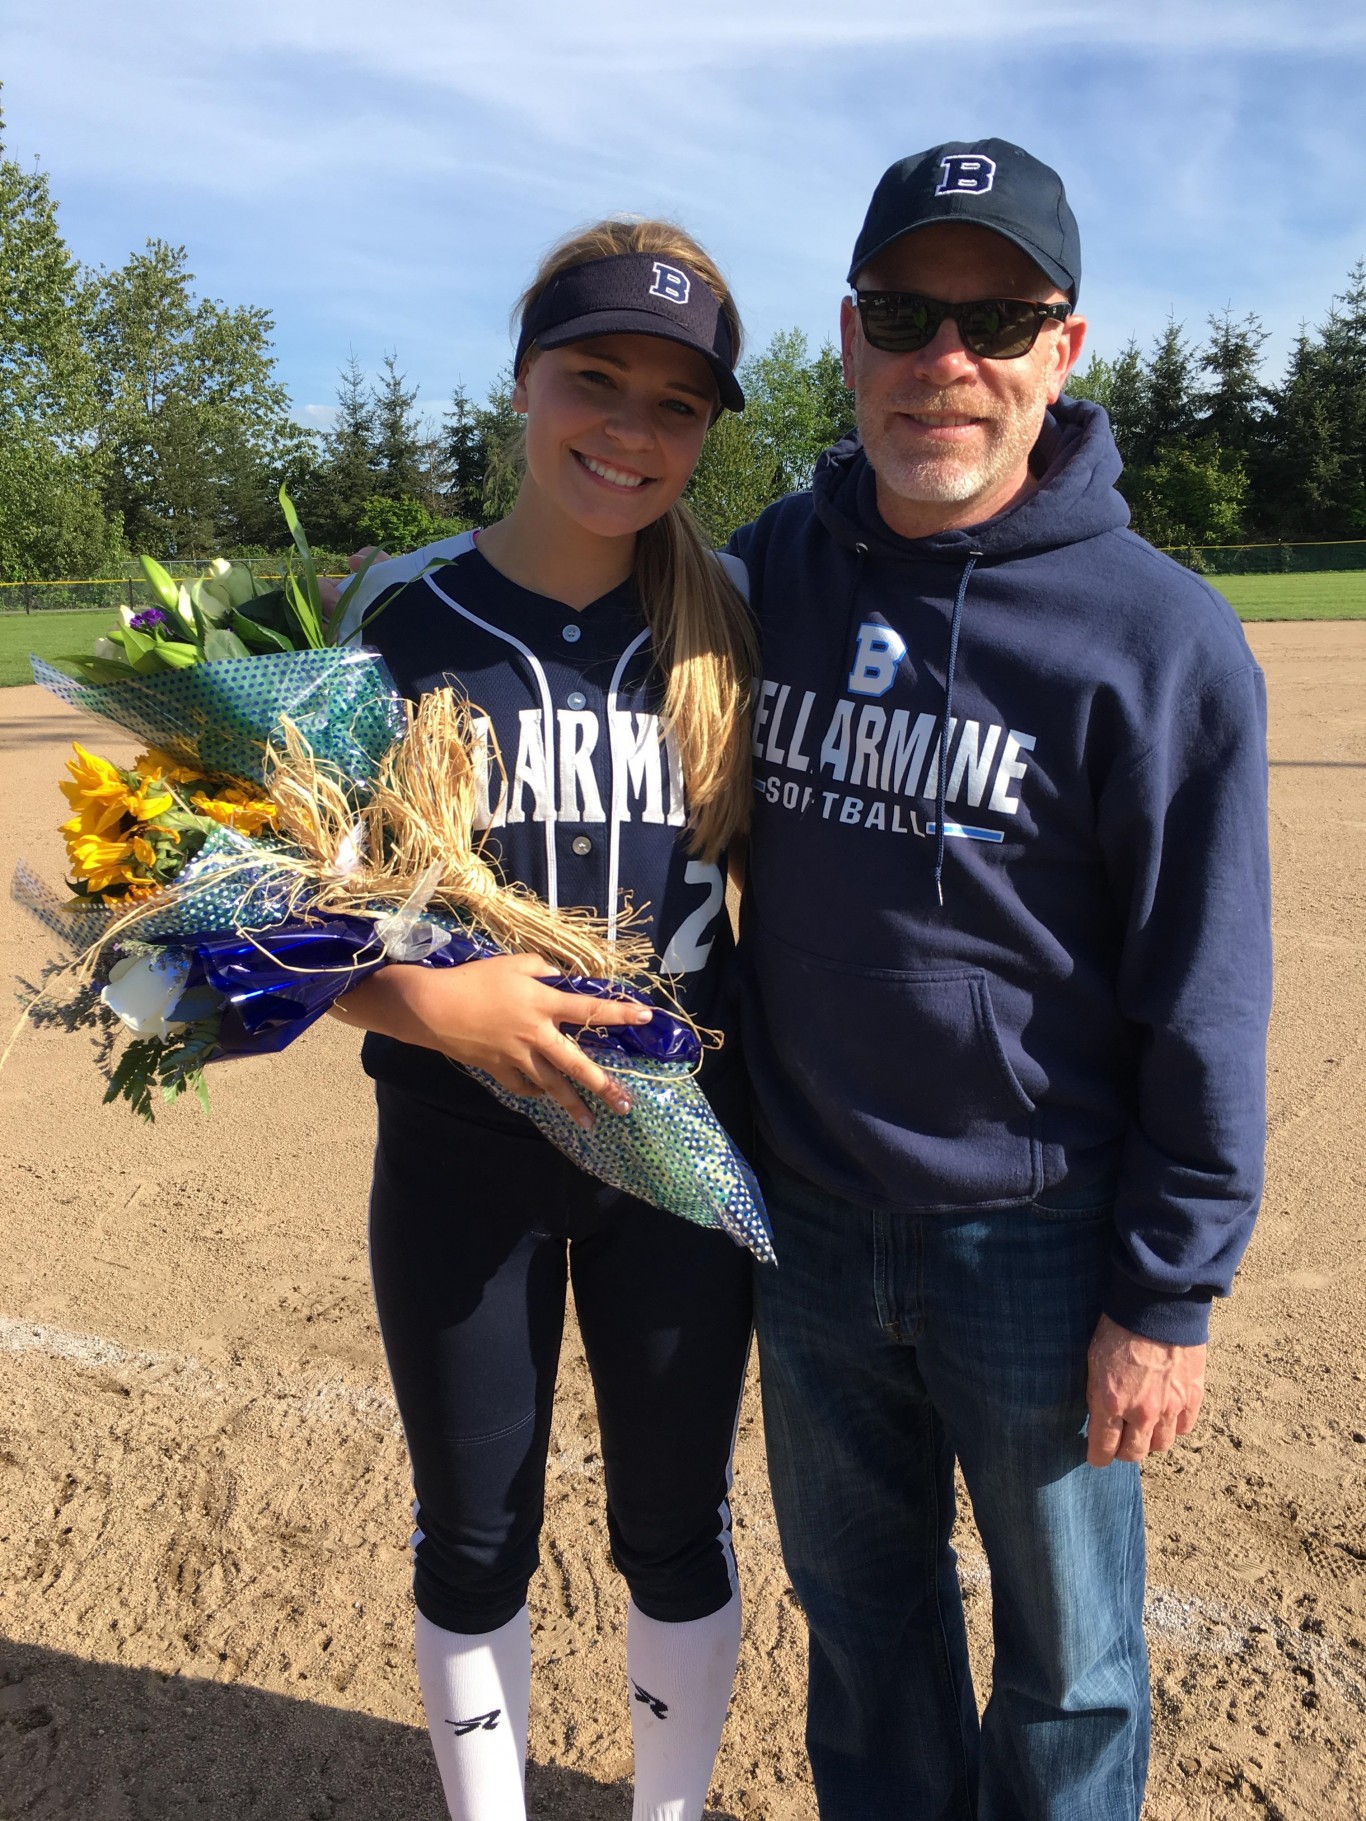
98	670
221	644
163	587
305	615
257	637
311	589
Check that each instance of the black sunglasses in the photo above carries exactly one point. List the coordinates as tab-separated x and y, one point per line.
993	328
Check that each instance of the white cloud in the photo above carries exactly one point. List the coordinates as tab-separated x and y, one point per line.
386	181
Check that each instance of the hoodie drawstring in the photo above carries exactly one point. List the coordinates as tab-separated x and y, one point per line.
851	611
946	725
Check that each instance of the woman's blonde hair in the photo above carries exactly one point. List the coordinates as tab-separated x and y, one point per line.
700	627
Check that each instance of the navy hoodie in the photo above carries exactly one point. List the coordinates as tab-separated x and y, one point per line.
1067	989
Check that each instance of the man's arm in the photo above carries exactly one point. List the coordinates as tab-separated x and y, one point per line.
1184	830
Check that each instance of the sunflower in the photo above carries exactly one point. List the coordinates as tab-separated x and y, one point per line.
232	807
154	764
100	862
98	792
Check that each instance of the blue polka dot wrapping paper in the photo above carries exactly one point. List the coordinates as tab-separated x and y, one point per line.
670	1150
221	716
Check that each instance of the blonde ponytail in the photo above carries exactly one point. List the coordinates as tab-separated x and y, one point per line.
700	627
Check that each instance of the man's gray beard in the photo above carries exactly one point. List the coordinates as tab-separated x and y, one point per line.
943	480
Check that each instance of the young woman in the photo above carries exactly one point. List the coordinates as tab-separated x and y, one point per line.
612	658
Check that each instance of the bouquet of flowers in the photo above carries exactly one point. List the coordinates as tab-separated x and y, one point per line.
293	825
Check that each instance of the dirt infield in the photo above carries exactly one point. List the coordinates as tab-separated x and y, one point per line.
203	1497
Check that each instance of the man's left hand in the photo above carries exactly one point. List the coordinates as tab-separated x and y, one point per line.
1141	1394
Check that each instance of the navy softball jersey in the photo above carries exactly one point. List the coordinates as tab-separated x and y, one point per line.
590	804
477	1223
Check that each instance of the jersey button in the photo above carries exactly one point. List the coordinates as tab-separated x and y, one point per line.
581	845
571	634
577	699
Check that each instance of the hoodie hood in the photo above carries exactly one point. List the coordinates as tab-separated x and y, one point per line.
1075	463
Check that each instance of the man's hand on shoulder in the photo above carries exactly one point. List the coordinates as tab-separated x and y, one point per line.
1141	1394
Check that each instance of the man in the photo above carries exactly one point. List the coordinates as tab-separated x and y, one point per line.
1007	973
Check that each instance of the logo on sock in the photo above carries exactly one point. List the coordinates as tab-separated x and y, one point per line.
488	1722
655	1705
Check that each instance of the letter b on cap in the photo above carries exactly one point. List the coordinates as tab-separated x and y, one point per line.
670	284
966	174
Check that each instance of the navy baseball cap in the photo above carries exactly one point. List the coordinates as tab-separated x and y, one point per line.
635	294
988	182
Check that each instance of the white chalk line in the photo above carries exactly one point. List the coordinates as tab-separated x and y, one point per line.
1204	1627
331	1398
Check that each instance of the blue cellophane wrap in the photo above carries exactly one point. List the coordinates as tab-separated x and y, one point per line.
220	716
669	1150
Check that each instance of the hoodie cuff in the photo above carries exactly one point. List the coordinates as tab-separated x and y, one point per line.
1178	1320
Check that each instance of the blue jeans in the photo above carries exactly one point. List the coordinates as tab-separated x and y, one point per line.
889	1344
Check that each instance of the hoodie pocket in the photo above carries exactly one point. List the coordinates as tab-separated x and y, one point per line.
891	1084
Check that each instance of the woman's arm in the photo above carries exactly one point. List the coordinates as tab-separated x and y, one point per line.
500	1016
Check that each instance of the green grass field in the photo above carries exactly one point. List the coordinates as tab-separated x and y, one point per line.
49	635
1337	596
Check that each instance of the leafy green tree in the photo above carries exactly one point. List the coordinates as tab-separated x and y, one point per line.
796	406
734	480
192	413
52	517
1191	494
1119	387
404	524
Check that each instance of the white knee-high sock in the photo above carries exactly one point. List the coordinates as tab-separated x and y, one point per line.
680	1677
476	1689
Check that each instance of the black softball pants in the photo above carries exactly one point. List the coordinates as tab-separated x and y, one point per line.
477	1224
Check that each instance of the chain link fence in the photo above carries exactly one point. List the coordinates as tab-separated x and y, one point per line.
1272	559
132	590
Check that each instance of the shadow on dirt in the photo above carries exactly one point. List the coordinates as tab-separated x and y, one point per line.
83	1741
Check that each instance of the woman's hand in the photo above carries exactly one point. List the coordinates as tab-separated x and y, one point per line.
499	1016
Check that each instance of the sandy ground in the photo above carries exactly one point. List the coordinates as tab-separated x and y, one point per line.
203	1496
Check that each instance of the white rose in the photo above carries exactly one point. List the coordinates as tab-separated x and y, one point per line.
143	988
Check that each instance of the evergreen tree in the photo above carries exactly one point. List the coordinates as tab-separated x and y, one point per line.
398	446
1301	478
1168	394
347	475
1233	406
499	429
461	459
1342	368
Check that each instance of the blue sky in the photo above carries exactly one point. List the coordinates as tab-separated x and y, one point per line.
383	176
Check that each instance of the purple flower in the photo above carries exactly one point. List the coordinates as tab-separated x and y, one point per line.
148	620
